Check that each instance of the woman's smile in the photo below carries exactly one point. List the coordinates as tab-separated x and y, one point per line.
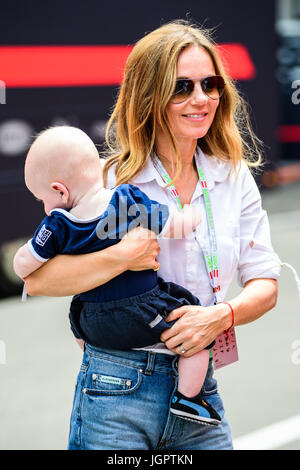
197	117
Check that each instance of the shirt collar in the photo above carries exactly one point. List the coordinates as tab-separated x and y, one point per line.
214	169
149	173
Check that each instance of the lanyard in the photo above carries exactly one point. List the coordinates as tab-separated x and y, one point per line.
210	255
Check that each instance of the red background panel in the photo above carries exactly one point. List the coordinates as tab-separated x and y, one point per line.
289	133
54	66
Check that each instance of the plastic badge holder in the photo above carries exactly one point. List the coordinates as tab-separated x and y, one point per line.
225	349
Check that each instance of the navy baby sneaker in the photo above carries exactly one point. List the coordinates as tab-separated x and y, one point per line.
194	409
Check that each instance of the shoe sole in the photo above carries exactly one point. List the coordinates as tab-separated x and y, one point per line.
190	417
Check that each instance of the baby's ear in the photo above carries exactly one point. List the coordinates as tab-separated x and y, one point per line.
61	190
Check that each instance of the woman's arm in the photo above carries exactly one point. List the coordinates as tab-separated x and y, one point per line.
67	275
199	326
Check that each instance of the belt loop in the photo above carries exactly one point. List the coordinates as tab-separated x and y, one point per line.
150	364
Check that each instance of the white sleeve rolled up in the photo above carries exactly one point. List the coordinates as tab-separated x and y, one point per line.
257	257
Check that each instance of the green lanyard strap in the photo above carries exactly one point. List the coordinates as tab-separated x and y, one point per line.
211	255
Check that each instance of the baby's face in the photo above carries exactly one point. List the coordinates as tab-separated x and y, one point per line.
48	196
51	201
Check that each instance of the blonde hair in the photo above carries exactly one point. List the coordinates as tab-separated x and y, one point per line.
149	81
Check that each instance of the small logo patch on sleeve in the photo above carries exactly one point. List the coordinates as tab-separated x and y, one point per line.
43	236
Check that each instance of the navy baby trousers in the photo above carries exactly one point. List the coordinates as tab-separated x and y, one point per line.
133	322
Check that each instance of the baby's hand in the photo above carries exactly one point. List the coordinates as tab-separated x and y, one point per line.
184	222
192	217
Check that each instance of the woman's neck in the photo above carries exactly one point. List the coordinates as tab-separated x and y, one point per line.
169	158
187	180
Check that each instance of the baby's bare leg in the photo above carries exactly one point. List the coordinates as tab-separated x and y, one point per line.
191	373
80	343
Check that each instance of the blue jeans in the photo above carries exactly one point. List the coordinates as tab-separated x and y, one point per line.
122	402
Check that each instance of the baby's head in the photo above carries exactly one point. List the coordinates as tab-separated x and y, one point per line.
61	166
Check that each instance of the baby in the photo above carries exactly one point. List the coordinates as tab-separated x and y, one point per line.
63	170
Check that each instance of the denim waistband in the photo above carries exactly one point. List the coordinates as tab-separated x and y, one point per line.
149	361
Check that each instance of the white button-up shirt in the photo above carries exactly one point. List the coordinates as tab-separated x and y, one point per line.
242	229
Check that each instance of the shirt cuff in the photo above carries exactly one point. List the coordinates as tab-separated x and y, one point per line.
34	253
267	270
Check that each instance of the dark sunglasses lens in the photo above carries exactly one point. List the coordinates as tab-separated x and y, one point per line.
213	87
183	89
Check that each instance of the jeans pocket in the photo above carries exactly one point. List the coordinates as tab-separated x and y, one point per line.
107	377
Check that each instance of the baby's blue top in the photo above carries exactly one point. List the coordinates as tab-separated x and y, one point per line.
129	207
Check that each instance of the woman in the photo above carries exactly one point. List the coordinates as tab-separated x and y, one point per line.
178	116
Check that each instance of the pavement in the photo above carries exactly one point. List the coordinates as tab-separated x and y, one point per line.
39	359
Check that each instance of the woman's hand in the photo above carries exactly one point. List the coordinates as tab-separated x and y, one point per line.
139	248
196	327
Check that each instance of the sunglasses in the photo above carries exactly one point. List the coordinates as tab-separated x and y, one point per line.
212	86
